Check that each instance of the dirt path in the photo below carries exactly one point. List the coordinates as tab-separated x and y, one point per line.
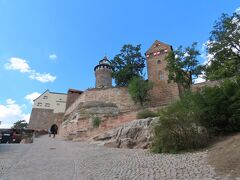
225	156
50	159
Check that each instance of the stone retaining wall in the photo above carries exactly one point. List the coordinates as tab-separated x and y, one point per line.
117	95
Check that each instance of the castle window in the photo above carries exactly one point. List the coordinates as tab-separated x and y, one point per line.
45	97
159	62
47	105
162	52
39	104
161	75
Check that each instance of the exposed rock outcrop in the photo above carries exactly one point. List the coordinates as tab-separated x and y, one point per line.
88	109
135	134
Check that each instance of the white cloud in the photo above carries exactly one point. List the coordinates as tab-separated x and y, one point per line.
32	96
10	101
45	77
186	55
18	64
199	80
206	56
22	66
10	112
53	56
237	10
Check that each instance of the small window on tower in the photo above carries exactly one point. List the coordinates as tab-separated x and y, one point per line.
159	62
45	97
161	76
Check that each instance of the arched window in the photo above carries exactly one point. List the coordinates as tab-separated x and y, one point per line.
159	62
161	75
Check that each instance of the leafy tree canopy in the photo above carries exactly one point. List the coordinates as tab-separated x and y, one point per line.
20	124
224	48
138	89
127	64
183	65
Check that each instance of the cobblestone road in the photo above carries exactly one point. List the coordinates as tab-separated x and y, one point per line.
49	158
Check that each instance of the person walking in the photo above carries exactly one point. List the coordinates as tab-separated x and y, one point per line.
49	132
54	130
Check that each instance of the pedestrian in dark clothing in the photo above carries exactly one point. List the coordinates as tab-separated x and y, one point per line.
54	129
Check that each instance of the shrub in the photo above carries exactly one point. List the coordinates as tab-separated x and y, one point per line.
96	121
145	114
221	107
178	128
215	109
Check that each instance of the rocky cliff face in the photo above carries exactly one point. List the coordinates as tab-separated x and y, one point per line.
113	106
93	108
79	123
135	134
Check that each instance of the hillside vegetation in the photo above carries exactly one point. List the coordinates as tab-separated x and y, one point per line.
198	117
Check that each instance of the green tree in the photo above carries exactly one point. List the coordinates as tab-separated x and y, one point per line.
224	48
183	66
139	90
20	124
127	64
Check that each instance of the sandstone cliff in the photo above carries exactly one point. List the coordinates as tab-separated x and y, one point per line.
135	134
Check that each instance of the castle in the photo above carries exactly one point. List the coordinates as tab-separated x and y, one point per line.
74	112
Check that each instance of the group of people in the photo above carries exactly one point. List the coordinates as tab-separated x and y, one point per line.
53	130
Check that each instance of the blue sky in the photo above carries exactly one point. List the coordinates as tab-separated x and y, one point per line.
56	44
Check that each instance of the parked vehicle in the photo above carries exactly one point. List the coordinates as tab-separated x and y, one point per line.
16	136
6	136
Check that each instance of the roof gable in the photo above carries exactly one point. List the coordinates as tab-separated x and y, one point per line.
41	94
158	45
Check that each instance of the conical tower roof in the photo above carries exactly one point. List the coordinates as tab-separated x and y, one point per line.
105	61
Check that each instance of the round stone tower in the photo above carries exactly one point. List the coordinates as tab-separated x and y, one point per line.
103	73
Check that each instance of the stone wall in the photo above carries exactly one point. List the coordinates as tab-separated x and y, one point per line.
72	96
163	93
199	86
118	96
42	119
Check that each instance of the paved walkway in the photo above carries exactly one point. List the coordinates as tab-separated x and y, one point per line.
55	159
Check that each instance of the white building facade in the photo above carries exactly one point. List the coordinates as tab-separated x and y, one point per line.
48	109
